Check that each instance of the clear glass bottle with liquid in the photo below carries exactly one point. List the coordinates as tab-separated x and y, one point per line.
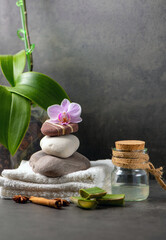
134	183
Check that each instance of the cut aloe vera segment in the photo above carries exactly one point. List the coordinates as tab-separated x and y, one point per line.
87	204
84	203
74	199
92	193
111	200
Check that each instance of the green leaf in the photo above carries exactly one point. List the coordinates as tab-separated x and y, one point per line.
6	62
14	119
12	66
39	88
19	61
5	106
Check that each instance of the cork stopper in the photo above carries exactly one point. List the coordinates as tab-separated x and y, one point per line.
130	145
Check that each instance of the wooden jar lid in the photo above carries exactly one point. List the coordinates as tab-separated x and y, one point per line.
130	145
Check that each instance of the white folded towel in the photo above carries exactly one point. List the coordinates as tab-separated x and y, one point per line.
8	194
24	181
96	174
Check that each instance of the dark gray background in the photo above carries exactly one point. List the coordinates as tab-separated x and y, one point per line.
110	56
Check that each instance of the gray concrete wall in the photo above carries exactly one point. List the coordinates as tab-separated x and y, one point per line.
110	56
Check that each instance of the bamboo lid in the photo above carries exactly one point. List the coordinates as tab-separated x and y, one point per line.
130	145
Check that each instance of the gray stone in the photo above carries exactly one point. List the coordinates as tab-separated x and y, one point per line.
62	146
52	129
51	166
35	157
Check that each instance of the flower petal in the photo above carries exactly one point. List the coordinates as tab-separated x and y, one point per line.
74	110
54	110
75	119
65	104
54	120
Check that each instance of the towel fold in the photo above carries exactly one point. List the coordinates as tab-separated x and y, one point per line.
96	174
25	182
26	186
8	194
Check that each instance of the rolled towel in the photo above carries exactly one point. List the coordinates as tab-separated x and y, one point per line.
99	174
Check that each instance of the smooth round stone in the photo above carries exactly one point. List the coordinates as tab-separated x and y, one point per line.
62	146
51	166
53	129
35	157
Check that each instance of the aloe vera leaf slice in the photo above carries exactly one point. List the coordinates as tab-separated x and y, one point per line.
114	196
84	203
87	204
111	200
74	199
94	192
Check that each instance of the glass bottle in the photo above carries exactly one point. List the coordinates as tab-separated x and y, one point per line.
134	183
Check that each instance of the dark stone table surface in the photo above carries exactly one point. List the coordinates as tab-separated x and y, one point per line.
144	220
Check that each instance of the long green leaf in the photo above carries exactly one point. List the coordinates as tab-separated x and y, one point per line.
12	66
14	119
19	61
39	88
6	62
5	106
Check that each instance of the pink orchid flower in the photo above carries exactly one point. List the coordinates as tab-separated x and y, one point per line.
65	113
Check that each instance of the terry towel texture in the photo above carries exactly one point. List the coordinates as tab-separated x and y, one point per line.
25	182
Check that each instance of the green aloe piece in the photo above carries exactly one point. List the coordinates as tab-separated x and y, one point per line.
111	200
92	193
84	203
75	199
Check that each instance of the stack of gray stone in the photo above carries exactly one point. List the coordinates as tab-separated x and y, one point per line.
58	155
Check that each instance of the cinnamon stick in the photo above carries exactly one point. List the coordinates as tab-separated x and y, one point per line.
56	203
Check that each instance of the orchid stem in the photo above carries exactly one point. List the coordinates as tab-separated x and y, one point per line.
28	47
